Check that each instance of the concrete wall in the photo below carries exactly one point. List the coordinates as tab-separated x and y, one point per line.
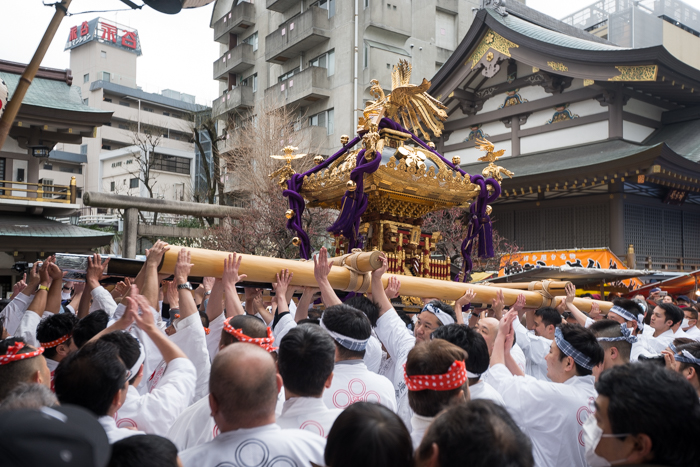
683	45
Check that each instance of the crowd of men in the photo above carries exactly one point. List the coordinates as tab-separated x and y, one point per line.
157	372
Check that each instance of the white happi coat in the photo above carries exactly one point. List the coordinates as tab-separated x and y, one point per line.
353	382
658	344
552	414
419	425
196	426
192	340
13	312
265	446
483	390
214	337
535	348
373	354
398	341
102	300
27	327
115	433
693	333
157	410
308	413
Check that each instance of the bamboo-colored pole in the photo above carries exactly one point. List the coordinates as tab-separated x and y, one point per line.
367	261
553	285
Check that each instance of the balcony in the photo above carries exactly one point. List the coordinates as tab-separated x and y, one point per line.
38	197
281	5
238	98
236	21
236	60
303	88
297	35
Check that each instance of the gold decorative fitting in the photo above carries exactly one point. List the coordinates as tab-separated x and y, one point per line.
588	82
489	210
285	173
489	57
636	73
490	41
492	170
558	66
289	214
344	139
456	160
351	186
431	145
318	159
535	69
296	241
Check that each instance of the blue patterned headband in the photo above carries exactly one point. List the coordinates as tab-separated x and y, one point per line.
569	350
356	345
684	356
626	336
639	319
444	318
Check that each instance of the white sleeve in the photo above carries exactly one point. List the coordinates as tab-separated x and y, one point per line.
27	328
535	348
190	337
588	322
517	391
158	409
285	324
214	337
395	336
14	310
102	300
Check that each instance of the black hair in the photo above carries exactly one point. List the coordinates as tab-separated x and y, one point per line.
549	315
143	450
315	313
128	347
368	435
479	433
20	371
366	306
54	327
690	309
350	322
91	377
444	307
204	318
694	349
610	328
671	414
248	324
628	305
89	326
671	312
305	360
469	340
583	340
312	321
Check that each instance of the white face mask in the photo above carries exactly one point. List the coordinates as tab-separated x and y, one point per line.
65	295
685	324
592	434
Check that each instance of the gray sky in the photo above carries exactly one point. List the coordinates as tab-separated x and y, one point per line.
178	50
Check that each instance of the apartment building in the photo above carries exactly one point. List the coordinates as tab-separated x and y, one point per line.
103	59
320	55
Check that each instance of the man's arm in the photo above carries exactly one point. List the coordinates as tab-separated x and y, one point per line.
229	280
53	298
465	299
30	319
378	292
569	303
74	304
215	305
322	267
151	285
19	286
182	270
146	323
305	301
93	275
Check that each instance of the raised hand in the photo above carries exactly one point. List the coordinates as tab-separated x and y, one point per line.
19	286
208	283
519	303
55	272
121	288
570	292
468	296
232	265
182	266
392	287
322	266
95	270
595	311
378	273
155	254
44	277
498	303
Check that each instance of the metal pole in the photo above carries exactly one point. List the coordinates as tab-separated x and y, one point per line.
30	72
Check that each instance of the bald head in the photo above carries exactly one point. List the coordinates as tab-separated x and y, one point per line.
243	384
488	327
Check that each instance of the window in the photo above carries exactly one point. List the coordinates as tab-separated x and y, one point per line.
324	119
83	149
86	101
107	99
365	57
111	186
252	40
251	81
106	76
68	169
124	103
122	126
445	35
86	77
326	60
176	116
175	164
103	54
134	183
167	114
78	192
288	75
107	147
328	5
148	109
48	166
366	3
108	124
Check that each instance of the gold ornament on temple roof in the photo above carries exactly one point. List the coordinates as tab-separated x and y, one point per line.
456	160
296	241
289	214
413	157
408	104
351	186
372	142
492	170
285	173
431	145
318	159
344	139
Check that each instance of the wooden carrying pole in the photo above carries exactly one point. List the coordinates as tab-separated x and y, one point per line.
261	269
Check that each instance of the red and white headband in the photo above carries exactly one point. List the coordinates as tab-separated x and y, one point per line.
264	342
13	356
455	377
57	342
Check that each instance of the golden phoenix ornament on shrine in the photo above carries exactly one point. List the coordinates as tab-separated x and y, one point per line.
285	173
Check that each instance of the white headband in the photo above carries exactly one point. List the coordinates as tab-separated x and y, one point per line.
444	318
139	361
356	345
